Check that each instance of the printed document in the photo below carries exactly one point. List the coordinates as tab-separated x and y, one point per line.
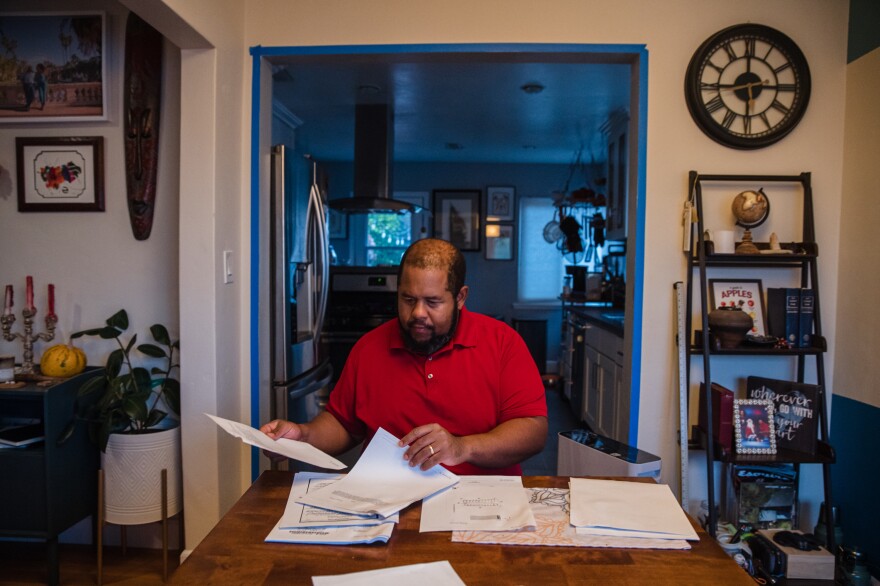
479	503
624	508
286	447
433	573
381	483
298	515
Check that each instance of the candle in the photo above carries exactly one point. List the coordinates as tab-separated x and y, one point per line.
29	294
51	300
7	309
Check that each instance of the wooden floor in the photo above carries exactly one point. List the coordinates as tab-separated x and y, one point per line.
23	564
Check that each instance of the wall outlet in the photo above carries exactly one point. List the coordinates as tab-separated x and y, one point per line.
227	266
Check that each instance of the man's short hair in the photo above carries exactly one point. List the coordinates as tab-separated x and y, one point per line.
433	253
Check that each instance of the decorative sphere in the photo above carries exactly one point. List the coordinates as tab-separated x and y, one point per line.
750	208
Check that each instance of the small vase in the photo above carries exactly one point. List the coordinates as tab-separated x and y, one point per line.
730	325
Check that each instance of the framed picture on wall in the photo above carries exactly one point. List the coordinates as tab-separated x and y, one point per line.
338	224
62	72
499	204
457	217
60	174
499	242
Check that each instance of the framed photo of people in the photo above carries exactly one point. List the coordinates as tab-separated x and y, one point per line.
60	68
499	204
754	428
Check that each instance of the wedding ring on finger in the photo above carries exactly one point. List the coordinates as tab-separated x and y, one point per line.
430	447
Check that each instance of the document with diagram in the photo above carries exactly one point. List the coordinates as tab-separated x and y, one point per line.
479	503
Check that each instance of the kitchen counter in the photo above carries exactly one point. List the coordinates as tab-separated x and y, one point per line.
607	318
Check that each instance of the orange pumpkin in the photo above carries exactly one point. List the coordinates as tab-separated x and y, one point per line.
62	360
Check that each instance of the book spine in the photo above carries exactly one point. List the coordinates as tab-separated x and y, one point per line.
805	318
783	309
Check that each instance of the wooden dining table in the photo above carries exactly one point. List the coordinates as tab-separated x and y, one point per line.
234	552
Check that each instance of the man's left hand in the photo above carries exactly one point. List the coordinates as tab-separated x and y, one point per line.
430	445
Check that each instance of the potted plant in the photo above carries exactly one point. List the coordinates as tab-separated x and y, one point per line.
130	425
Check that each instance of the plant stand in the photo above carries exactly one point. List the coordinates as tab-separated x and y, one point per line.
102	522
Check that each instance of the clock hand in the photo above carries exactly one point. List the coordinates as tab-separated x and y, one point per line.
749	85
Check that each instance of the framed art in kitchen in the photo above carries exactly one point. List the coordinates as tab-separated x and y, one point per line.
499	204
457	217
60	174
747	294
499	242
60	73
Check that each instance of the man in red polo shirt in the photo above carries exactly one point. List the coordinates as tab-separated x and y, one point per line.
459	388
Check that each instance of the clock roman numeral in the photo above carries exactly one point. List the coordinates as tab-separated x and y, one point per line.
747	124
786	87
750	48
782	67
720	70
714	104
729	117
731	54
777	105
707	87
764	118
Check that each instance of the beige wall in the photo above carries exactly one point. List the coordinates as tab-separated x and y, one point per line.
214	154
857	369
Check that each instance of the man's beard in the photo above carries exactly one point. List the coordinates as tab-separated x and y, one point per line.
432	344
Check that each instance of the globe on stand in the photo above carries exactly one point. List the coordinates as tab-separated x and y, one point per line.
751	209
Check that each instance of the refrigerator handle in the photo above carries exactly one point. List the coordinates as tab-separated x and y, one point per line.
320	254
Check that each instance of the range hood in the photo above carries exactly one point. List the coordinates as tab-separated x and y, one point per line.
373	156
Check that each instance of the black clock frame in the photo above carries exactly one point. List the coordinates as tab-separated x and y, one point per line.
696	91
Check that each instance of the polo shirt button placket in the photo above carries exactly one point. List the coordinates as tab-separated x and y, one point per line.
430	374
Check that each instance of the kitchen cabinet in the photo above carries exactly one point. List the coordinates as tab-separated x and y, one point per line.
617	176
603	365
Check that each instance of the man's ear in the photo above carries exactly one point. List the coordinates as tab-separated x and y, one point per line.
462	296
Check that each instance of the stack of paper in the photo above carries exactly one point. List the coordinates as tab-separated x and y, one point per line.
304	524
627	509
381	483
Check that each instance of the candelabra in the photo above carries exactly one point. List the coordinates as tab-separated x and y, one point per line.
28	337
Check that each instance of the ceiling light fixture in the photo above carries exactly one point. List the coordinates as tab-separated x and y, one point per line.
454	146
532	88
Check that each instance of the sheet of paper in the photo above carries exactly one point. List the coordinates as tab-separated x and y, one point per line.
631	506
550	507
486	503
381	483
299	515
300	451
433	573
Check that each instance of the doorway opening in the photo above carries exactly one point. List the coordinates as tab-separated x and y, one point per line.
407	73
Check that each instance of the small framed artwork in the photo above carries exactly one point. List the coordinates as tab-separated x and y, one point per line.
499	242
62	67
499	204
60	174
747	294
338	224
754	428
457	217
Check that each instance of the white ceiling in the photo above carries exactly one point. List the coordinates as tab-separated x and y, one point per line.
474	100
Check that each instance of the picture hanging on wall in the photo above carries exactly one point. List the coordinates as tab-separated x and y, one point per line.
60	174
499	204
457	217
57	71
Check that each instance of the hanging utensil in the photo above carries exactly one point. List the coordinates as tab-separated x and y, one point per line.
552	232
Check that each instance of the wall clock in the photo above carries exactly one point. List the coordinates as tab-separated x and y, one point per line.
747	86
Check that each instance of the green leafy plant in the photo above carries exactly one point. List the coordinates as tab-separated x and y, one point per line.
131	397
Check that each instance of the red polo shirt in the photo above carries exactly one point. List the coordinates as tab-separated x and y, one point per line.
482	378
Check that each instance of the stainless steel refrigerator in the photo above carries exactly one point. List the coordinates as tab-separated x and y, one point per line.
299	272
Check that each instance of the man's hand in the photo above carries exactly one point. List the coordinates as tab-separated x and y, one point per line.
509	443
430	445
281	428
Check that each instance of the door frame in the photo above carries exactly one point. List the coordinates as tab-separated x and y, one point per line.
634	55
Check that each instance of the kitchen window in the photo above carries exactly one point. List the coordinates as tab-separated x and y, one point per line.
541	264
389	235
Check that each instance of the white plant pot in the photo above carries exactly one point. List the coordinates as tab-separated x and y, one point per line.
132	467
